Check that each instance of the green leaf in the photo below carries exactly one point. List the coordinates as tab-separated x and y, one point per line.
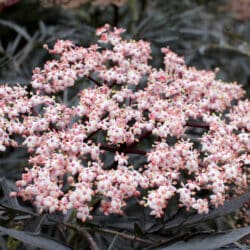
209	242
34	240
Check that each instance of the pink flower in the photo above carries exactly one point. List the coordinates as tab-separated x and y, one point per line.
201	205
126	110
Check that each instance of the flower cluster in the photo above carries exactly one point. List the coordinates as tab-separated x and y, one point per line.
126	107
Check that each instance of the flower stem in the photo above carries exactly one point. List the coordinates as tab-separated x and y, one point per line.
197	125
112	232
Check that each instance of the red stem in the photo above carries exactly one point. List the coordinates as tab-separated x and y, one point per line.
93	80
197	125
128	150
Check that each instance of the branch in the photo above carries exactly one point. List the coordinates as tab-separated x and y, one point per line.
125	236
88	237
135	151
81	231
109	148
91	134
197	125
93	80
112	232
128	150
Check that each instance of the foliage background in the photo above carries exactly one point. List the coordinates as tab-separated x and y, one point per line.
202	31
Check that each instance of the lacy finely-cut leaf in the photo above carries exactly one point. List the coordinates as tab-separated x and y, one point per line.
34	240
209	242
